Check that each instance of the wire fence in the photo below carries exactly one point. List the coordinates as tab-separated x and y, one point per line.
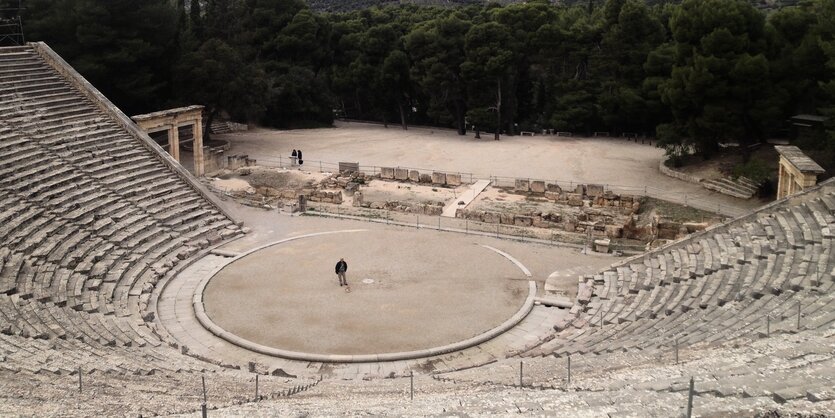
286	162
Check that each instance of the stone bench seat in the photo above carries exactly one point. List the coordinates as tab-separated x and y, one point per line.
21	78
34	87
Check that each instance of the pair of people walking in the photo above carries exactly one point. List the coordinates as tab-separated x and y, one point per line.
296	156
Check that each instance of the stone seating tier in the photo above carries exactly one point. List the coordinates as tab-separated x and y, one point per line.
85	211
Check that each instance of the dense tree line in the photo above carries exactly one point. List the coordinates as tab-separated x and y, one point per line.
696	74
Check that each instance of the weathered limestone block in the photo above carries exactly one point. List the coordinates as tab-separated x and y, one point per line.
357	199
506	218
574	199
522	185
614	231
580	189
438	178
288	194
387	173
520	220
695	226
554	188
570	226
584	293
491	217
602	245
453	179
594	190
414	176
552	196
538	186
336	197
401	174
433	210
425	178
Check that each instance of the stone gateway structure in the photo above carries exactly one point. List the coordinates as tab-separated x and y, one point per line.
171	120
797	171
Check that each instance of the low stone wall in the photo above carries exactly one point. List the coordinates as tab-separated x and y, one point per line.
437	178
662	166
587	206
429	209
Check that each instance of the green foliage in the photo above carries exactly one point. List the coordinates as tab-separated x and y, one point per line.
755	169
696	74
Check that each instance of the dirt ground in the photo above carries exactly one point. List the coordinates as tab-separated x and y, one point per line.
382	191
611	161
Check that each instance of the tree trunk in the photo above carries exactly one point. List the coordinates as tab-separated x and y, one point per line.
403	117
477	133
459	118
207	130
498	108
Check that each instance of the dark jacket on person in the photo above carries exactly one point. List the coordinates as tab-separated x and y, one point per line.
341	267
299	154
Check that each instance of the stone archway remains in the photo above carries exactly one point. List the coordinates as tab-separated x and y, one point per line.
171	120
797	171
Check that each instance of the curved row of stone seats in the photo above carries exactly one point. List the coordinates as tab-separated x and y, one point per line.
729	381
91	219
792	370
717	285
41	377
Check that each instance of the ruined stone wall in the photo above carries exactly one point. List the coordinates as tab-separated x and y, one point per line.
578	210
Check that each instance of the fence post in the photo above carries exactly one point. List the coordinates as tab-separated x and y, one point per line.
676	350
520	374
690	399
497	230
257	398
417	222
411	385
204	407
467	226
569	369
768	325
798	316
320	166
280	164
79	379
439	223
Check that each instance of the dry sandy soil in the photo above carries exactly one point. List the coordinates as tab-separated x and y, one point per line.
586	160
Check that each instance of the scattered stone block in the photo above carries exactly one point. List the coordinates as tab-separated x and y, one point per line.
552	196
520	220
602	245
538	186
414	176
387	173
438	178
574	199
433	210
614	231
594	190
491	217
554	188
522	185
580	189
401	174
453	179
425	178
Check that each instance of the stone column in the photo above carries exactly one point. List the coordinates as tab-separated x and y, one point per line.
198	147
174	142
